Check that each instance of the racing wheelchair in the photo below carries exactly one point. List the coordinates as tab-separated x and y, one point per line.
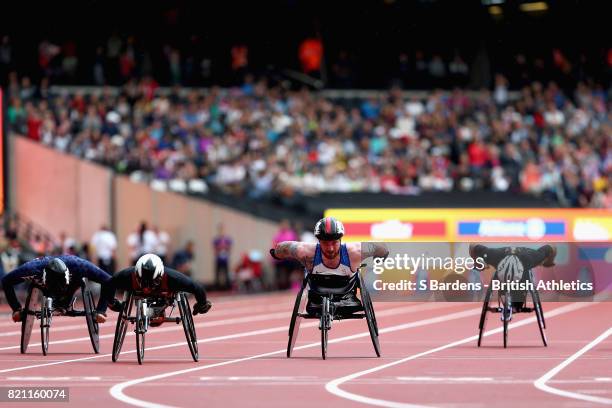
150	311
39	306
512	301
330	288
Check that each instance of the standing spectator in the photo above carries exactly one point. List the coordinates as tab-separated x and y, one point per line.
222	245
182	259
105	246
311	55
143	241
284	267
162	239
65	242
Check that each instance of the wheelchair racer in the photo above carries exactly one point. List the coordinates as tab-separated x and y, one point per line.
58	277
151	279
330	256
524	260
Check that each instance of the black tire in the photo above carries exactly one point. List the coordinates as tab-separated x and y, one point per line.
121	328
296	320
188	325
140	332
365	294
32	304
45	325
536	300
368	308
90	317
325	318
507	307
483	316
537	306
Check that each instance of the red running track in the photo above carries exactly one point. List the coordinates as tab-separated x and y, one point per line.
429	358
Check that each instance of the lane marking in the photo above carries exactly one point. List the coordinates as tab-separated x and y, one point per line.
540	383
117	391
334	386
447	379
53	378
390	312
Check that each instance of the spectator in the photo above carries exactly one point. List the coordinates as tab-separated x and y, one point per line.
248	272
222	246
104	242
284	268
162	240
140	242
182	259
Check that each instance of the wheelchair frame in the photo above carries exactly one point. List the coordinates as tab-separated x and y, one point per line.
141	321
506	309
40	307
328	315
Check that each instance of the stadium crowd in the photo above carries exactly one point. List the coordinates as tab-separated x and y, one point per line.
265	139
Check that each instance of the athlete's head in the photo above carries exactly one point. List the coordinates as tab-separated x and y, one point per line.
149	271
56	276
329	231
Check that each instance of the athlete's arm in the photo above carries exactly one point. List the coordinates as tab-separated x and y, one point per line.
360	251
373	249
178	282
300	251
120	280
17	276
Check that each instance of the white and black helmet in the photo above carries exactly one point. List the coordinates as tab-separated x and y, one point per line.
149	270
329	229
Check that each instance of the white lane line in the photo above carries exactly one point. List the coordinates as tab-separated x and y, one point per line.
84	326
53	378
225	322
117	391
540	383
334	385
390	312
173	327
446	379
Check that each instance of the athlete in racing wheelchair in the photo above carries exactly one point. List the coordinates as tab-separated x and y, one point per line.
53	284
513	264
150	288
332	281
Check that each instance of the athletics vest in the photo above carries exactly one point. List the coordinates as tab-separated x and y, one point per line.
343	269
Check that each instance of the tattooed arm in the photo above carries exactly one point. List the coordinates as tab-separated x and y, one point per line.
360	251
300	251
373	249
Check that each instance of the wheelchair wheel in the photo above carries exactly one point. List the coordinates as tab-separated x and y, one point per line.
506	305
121	328
325	325
32	304
90	317
368	308
537	307
188	325
45	324
483	316
140	331
536	300
294	324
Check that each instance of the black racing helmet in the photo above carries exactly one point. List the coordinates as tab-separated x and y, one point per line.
329	229
56	275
